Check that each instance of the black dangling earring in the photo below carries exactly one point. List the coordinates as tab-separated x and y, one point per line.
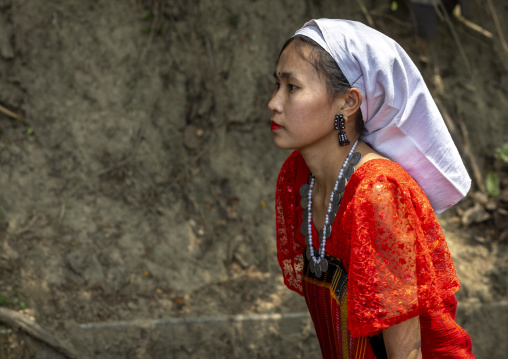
340	124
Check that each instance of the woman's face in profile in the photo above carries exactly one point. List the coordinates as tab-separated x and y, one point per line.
302	113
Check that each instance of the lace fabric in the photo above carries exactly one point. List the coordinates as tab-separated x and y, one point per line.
387	236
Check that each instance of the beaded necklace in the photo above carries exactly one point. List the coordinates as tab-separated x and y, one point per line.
318	263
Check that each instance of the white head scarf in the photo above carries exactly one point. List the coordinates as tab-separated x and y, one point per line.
402	121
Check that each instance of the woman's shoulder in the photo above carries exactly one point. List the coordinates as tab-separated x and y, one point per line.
383	178
381	170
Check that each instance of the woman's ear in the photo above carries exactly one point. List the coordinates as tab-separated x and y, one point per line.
352	101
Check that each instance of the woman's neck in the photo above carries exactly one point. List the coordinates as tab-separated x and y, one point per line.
325	161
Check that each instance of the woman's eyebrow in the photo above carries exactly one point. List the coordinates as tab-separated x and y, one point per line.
284	75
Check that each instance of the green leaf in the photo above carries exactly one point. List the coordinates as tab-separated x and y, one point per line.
502	152
30	131
492	183
394	6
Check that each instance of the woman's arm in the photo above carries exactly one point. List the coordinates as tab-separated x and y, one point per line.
403	341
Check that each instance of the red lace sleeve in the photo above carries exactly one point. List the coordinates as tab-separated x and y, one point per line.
400	266
289	250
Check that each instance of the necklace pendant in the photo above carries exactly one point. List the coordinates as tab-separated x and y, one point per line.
355	158
327	230
317	270
305	215
348	171
312	265
304	228
341	186
332	214
304	202
308	253
337	197
324	265
304	190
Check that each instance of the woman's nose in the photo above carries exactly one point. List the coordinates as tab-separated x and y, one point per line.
275	104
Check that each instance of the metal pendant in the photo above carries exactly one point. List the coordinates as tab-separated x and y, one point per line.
304	202
341	186
335	209
304	228
348	171
355	158
304	190
317	270
308	252
332	214
312	265
320	236
327	230
324	265
337	197
305	215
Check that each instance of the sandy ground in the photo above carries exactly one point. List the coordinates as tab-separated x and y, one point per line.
140	183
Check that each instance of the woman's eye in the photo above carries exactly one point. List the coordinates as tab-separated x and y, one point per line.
292	87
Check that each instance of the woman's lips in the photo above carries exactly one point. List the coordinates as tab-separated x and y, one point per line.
275	126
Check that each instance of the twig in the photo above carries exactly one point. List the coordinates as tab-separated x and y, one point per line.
113	167
366	13
477	173
471	24
454	33
11	114
498	26
30	327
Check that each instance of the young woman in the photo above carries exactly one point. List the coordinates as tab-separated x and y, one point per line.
356	231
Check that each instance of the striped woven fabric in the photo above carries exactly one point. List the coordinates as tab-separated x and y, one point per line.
326	299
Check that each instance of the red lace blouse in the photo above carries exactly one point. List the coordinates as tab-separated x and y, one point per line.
389	240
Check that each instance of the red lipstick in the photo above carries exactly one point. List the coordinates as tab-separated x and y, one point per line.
275	126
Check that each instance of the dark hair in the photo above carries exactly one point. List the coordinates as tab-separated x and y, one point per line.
327	69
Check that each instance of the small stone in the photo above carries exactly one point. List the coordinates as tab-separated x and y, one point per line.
480	239
491	205
504	195
474	214
190	137
502	211
480	197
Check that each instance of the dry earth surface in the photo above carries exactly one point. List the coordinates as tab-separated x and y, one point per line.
139	184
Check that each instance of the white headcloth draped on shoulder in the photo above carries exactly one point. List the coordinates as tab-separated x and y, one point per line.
402	120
